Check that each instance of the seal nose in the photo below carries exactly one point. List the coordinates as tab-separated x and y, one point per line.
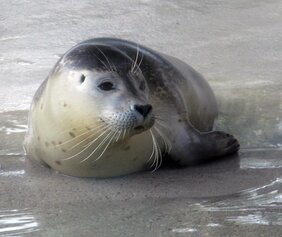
144	110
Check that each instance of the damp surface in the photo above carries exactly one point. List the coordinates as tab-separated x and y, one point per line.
236	45
223	198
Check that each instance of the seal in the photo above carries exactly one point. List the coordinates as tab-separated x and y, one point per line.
111	107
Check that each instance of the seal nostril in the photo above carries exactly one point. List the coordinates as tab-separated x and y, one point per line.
82	78
144	110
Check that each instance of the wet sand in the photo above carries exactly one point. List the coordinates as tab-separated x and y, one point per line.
239	195
236	45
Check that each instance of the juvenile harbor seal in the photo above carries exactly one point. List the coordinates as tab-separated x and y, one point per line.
112	107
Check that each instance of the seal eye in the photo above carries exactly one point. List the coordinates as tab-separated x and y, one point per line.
82	78
106	86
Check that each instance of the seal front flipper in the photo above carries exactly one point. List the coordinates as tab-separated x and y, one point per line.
203	147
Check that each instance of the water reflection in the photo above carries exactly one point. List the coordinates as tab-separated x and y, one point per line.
261	197
256	209
256	121
13	127
257	218
261	159
184	230
260	205
11	173
17	222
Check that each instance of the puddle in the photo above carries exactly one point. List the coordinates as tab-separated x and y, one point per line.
17	223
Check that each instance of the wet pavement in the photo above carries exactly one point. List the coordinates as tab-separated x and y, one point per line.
235	45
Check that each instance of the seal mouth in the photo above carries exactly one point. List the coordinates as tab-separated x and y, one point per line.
139	128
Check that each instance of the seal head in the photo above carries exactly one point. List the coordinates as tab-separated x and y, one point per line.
94	100
115	83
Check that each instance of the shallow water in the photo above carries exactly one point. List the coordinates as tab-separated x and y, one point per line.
236	45
225	198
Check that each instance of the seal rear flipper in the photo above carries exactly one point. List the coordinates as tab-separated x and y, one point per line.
223	144
205	147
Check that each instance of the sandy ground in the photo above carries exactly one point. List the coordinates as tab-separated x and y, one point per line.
236	45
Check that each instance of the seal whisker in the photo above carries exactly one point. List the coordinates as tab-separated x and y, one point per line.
139	64
156	158
159	112
162	123
80	128
93	134
124	133
109	69
160	157
107	146
165	139
113	67
136	58
153	148
163	116
90	143
82	134
120	131
160	119
97	147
